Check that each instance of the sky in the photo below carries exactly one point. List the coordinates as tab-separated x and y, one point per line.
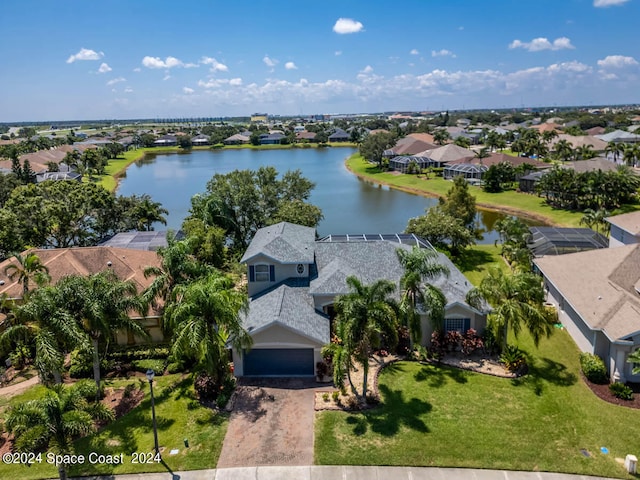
124	59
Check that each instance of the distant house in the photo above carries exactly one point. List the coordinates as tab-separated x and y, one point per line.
402	163
237	139
200	140
527	183
559	241
619	136
55	176
271	138
135	240
412	144
166	141
339	135
469	171
306	136
294	279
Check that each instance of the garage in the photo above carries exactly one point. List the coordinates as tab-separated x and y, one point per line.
279	362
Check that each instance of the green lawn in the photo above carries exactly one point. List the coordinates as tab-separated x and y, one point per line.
476	261
441	416
179	416
523	204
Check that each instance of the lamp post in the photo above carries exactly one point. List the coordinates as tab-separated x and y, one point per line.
150	375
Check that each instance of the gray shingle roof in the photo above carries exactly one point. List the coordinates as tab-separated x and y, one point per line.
288	304
284	242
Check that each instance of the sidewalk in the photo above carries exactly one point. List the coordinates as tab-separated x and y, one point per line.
347	473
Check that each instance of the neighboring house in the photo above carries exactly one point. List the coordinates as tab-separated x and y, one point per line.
619	136
401	163
294	280
166	141
559	241
597	294
470	171
271	138
412	144
55	176
200	139
339	135
141	240
306	136
527	183
237	139
451	152
625	229
127	264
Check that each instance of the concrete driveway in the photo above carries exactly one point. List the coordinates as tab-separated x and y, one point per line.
271	424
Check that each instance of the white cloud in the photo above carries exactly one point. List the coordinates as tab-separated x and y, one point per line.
219	82
338	53
443	53
617	61
366	70
414	52
541	43
166	77
85	54
157	62
216	66
235	82
104	68
137	69
608	3
269	62
188	90
191	65
128	90
290	66
347	25
116	80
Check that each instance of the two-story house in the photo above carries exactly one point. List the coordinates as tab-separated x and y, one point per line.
294	279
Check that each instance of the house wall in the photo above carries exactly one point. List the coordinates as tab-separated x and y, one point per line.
151	325
579	331
282	272
477	322
628	371
619	237
320	301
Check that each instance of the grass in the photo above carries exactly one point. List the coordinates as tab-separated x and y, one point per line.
522	204
440	416
179	416
476	261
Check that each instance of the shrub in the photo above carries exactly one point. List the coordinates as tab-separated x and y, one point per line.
471	342
620	390
322	369
513	358
20	356
81	364
352	403
593	368
438	345
325	396
154	364
206	387
336	396
452	340
140	352
490	345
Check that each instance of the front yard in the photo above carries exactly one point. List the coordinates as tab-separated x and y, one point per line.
440	416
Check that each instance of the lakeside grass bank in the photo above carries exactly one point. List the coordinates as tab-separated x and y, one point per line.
511	202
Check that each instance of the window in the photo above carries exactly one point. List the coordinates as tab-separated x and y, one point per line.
457	325
262	273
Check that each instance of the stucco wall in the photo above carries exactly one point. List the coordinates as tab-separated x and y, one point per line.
282	272
619	237
478	322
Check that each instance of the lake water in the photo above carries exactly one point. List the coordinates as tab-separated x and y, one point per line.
350	205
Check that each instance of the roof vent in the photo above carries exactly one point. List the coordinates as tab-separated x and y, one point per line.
599	297
1	282
109	263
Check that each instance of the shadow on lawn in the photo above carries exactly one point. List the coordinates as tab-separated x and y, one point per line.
473	260
437	375
395	411
543	370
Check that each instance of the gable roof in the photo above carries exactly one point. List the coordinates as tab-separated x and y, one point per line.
619	136
127	264
289	304
447	153
284	242
629	222
600	285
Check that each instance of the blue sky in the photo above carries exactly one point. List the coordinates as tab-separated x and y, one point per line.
145	59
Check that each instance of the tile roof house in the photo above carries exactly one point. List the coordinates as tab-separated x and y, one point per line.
625	229
294	279
127	264
412	144
597	294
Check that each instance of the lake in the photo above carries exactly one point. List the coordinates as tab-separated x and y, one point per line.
350	205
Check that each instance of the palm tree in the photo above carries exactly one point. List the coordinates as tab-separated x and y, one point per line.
28	267
585	152
482	153
43	321
463	142
340	358
564	150
616	150
101	304
596	218
631	155
419	265
53	422
635	359
548	136
441	136
364	315
147	212
205	317
516	302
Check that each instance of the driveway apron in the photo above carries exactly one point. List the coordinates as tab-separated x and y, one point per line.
271	424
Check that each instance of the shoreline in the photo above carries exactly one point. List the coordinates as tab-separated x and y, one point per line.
481	206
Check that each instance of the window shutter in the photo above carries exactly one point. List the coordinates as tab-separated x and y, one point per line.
272	273
252	273
466	325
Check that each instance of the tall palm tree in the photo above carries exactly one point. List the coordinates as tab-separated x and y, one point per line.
147	212
585	152
631	155
43	321
516	300
420	265
615	149
564	150
441	136
205	316
28	267
54	421
366	313
341	358
596	218
101	305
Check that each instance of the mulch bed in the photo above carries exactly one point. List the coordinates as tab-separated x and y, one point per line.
121	404
602	391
